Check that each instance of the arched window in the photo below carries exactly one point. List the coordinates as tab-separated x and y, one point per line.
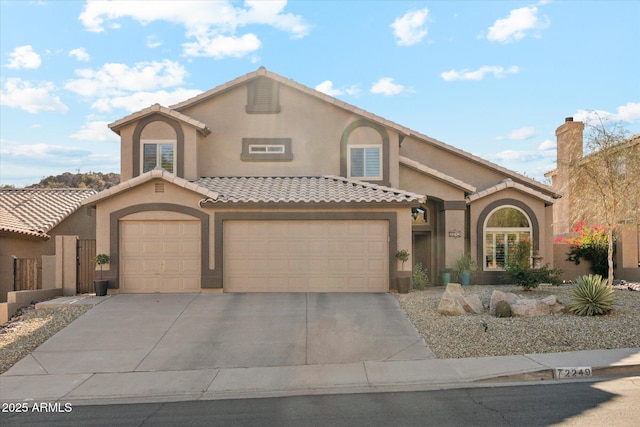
504	227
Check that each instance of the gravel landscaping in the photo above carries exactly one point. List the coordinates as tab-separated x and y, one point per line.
30	327
465	336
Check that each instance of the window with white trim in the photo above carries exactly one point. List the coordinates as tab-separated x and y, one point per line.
504	227
265	149
158	154
364	161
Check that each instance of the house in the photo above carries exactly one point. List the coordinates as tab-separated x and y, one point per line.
570	143
264	184
33	221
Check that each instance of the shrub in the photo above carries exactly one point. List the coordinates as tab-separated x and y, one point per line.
519	271
420	276
591	295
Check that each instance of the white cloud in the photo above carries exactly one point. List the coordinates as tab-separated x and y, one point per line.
327	87
48	152
95	131
213	25
630	112
410	28
517	25
80	54
139	100
153	41
117	79
466	74
519	134
220	46
547	145
24	57
34	98
386	86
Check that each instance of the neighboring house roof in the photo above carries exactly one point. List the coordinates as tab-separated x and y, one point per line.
437	174
311	189
262	71
159	109
33	212
148	176
508	183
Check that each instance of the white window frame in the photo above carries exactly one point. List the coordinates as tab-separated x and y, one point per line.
505	231
365	146
266	149
158	142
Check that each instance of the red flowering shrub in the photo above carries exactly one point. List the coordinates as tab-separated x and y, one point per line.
590	245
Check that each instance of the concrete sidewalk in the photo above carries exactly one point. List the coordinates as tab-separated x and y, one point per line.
28	381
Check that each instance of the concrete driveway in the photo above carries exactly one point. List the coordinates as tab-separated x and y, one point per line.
159	332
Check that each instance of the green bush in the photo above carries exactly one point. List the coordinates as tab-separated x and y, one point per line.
519	271
420	276
591	295
590	245
530	278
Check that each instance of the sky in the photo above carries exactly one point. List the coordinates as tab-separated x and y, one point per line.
492	78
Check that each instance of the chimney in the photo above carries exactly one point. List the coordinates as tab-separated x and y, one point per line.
569	140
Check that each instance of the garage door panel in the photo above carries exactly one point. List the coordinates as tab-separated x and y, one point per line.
160	256
305	255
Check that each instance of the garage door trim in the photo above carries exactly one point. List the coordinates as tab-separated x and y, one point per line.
206	275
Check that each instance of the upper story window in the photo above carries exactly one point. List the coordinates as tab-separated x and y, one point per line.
266	150
263	96
158	154
364	162
504	227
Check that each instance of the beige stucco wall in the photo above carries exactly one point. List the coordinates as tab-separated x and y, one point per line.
416	182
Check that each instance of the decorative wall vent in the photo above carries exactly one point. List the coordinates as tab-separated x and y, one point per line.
159	187
263	96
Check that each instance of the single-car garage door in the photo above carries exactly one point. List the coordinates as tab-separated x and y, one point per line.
306	256
159	256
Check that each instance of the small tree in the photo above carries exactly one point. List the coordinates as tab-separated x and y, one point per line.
402	255
604	184
102	259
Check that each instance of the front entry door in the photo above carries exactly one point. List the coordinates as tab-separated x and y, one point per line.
422	251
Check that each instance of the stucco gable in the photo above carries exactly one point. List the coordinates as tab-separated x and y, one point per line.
461	185
508	183
164	111
146	177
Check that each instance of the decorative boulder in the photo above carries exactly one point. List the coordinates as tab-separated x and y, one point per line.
454	303
530	308
554	304
497	296
503	309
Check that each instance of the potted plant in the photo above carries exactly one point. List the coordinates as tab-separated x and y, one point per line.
101	285
404	283
464	266
446	276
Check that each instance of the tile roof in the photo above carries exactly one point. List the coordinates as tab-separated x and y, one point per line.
310	189
508	183
145	177
35	211
159	109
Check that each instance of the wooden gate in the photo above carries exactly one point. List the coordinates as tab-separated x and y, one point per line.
25	274
86	266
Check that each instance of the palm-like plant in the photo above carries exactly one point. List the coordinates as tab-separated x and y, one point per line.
591	295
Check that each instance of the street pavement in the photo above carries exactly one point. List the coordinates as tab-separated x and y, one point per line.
162	348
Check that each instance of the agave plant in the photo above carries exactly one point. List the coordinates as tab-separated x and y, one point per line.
591	295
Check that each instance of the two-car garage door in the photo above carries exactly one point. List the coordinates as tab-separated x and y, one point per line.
306	256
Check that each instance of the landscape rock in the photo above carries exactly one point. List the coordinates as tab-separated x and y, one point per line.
497	296
455	303
503	309
530	308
